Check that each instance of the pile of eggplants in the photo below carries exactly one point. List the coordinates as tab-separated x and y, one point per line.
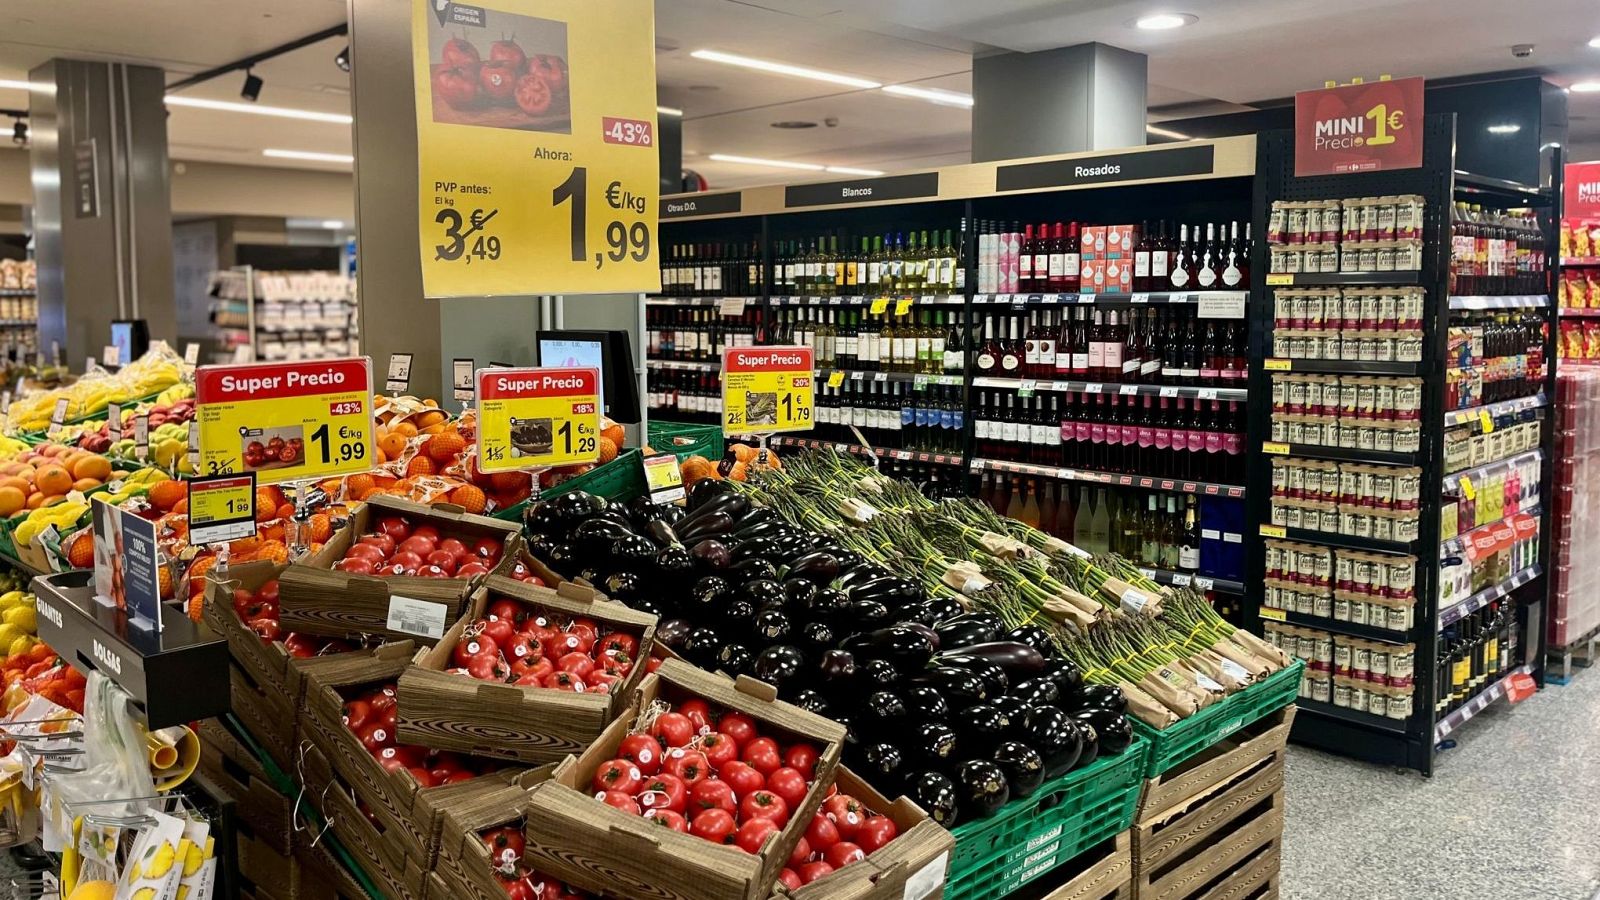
947	706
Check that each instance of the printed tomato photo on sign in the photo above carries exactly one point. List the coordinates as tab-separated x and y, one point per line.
499	70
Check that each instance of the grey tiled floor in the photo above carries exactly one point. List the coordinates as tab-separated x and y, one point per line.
1512	813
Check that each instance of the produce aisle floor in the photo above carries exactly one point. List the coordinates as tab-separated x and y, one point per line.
1510	812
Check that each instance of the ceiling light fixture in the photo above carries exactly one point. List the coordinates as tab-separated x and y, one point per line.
850	170
669	111
945	98
784	69
1594	42
773	163
1158	131
19	133
278	111
333	224
309	156
1586	87
19	85
1163	21
342	58
252	86
1509	128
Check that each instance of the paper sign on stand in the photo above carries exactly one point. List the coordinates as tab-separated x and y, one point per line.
286	421
222	508
127	564
767	390
534	417
663	478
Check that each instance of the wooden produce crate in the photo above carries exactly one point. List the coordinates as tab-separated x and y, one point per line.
572	836
1102	872
409	811
1222	843
382	855
529	724
266	713
911	865
464	863
324	876
236	771
316	599
1244	749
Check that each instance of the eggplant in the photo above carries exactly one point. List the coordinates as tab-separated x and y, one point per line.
771	626
790	547
764	594
635	553
623	587
862	615
1091	741
931	745
575	506
981	615
593	538
817	638
980	727
1103	696
836	671
936	794
661	533
883	713
735	659
675	564
707	598
768	528
1019	661
538	546
994	678
650	606
756	548
925	703
961	687
708	526
826	605
564	558
890	590
711	555
674	633
737	615
884	766
1023	765
542	517
617	515
780	666
797	594
863	573
1056	737
812	701
1033	636
705	490
755	515
1064	672
981	788
908	648
818	566
702	647
1038	692
1015	709
848	559
1111	727
960	632
931	611
876	674
748	570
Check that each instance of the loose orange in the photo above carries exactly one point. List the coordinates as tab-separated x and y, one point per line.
91	466
429	401
356	486
266	505
12	500
446	446
615	433
433	417
469	497
608	450
285	510
80	553
86	484
164	495
392	444
53	479
405	429
319	529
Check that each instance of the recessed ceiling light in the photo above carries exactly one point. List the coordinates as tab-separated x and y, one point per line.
669	111
281	112
946	98
794	124
309	156
1164	21
1594	42
1510	128
773	163
1586	87
1167	133
783	68
17	85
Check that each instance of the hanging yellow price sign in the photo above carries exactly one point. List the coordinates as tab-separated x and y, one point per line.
286	421
529	418
766	390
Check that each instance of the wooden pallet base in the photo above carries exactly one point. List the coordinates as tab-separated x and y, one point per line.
1221	844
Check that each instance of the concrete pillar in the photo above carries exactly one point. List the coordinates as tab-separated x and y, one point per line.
102	208
1085	97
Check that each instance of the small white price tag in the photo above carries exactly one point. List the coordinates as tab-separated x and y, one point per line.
141	436
1128	389
461	379
732	306
419	617
5	402
1169	392
1207	394
1092	388
114	421
399	373
58	416
191	354
927	879
1140	298
110	356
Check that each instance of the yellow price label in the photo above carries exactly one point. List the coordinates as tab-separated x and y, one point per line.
1468	490
1276	615
1279	279
1275	448
663	478
835	378
286	421
222	508
1278	365
537	164
1485	421
880	306
903	305
1273	531
766	390
533	417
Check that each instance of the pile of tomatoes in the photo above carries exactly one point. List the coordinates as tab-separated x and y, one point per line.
511	643
370	716
519	882
399	548
536	84
276	450
258	610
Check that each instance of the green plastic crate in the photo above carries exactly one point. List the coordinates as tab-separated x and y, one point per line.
1171	746
620	479
1028	838
684	441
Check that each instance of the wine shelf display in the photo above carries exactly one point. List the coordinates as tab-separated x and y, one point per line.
1486	290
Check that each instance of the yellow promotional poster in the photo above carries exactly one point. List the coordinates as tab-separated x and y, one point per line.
286	421
528	418
537	164
766	390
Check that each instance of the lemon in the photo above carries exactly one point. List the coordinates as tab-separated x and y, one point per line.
9	634
10	600
21	645
23	618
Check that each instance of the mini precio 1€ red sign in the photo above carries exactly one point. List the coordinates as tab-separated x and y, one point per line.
1369	127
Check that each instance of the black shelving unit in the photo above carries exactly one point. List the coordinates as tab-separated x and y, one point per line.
1413	742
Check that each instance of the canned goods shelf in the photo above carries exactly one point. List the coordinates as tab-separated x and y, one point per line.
1458	611
1351	629
1334	539
1319	279
1341	367
1340	454
1365	720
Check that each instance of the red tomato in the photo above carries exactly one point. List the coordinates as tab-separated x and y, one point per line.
460	550
358	566
488	549
762	755
536	670
789	878
801	854
407	756
803	757
753	833
715	825
578	664
672	729
738	726
643	751
666	818
457	777
742	778
712	794
764	804
406	559
618	775
499	630
603	682
843	854
515	888
505	607
374	736
355	714
653	664
428	531
571	641
627	644
519	647
875	833
620	800
472	570
505	848
821	833
552	68
488	667
267	629
363	550
690	765
847	815
719	749
423	776
788	784
441	560
395	527
419	544
698	712
458	51
812	871
506	50
563	681
468	649
664	791
380	540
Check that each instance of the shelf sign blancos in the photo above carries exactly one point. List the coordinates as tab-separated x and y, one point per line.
531	417
536	129
286	421
767	390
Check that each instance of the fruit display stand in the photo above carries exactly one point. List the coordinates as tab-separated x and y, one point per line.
464	867
571	835
528	724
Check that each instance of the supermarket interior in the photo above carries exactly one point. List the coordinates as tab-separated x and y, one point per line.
1023	450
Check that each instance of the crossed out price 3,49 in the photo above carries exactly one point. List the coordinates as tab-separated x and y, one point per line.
465	237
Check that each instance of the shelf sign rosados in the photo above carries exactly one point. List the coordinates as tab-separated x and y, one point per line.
286	421
1369	127
538	171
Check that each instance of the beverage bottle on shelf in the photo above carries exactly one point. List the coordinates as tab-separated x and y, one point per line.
1025	253
1011	352
1046	366
1097	348
1133	349
1183	264
1030	346
1160	260
988	360
1189	546
954	357
1189	358
1100	523
1171	529
1062	365
1048	510
1072	279
1236	266
1031	514
1208	272
1008	429
1141	258
1115	338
